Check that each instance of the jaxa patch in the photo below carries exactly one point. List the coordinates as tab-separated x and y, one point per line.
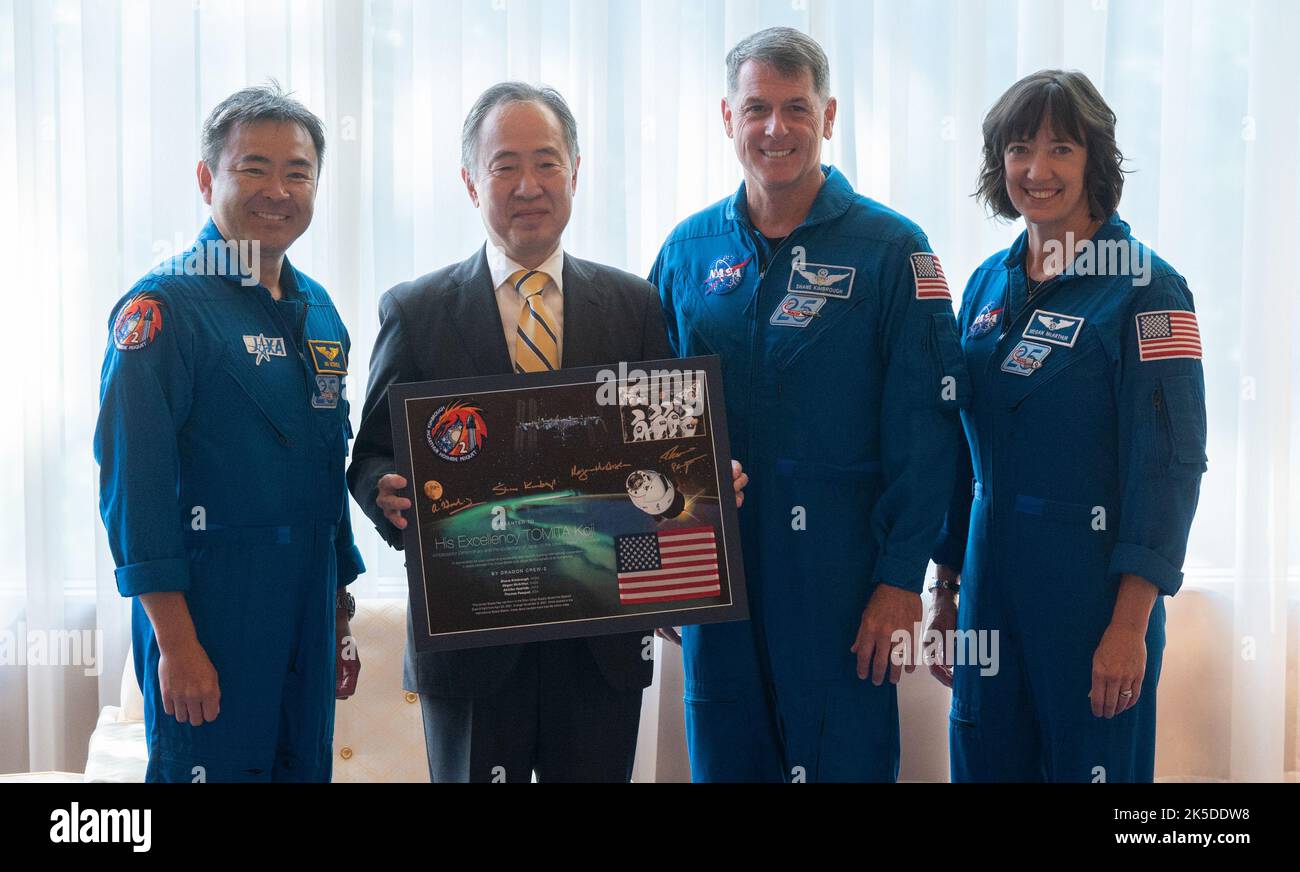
822	279
137	323
797	310
328	357
984	322
1026	358
1053	327
327	392
264	347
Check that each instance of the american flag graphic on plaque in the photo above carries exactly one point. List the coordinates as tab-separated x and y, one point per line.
1168	334
930	281
666	566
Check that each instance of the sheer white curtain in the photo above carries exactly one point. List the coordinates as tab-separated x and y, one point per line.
100	105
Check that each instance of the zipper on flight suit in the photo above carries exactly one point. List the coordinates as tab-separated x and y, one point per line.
298	340
763	265
300	336
1031	300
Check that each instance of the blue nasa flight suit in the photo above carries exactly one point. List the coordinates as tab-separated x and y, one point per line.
843	375
1087	442
221	440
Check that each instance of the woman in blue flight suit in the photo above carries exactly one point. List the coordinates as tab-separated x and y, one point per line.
1086	432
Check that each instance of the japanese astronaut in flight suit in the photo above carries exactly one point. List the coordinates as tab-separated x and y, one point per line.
1086	433
221	440
843	376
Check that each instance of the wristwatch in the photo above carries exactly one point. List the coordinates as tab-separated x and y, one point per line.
345	600
945	584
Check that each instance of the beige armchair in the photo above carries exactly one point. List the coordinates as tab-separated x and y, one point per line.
378	735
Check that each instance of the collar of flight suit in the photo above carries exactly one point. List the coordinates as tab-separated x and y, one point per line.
1112	229
295	288
833	200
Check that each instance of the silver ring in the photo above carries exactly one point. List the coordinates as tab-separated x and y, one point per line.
1126	693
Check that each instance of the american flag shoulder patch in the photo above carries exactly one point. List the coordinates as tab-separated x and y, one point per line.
1168	333
666	566
928	274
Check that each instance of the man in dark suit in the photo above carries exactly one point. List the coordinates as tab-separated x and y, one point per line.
568	709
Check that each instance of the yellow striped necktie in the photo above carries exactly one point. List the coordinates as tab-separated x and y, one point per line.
537	348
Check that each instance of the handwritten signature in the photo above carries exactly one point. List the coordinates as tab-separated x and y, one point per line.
605	466
684	466
684	458
453	506
677	452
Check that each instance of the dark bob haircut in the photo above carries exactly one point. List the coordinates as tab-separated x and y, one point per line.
1076	112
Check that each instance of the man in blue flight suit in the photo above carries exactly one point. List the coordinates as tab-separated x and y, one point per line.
843	375
221	439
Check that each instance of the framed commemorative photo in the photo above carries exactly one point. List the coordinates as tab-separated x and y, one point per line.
573	503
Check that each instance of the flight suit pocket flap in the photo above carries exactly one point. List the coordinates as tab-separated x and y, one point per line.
963	713
955	388
1059	361
257	392
1185	418
1053	510
827	320
864	471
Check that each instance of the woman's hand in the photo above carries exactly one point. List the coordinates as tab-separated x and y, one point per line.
1118	667
1120	661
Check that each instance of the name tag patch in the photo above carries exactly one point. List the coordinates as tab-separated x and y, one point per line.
822	279
797	310
1026	358
1053	327
264	347
327	392
328	357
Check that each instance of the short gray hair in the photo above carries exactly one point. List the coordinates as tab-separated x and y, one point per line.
790	51
267	102
514	92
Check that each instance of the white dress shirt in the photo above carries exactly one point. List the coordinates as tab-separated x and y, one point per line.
510	302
